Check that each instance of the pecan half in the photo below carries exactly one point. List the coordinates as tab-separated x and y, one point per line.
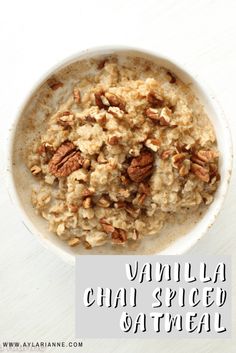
65	160
141	167
154	99
201	172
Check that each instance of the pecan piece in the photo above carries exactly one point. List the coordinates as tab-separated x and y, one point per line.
35	170
65	119
88	192
118	235
152	114
65	160
141	167
103	202
178	159
87	203
46	151
165	154
172	77
143	188
182	163
99	100
73	241
207	156
154	99
201	172
54	84
107	227
115	101
76	94
114	140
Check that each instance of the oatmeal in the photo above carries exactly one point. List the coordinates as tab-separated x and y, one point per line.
126	149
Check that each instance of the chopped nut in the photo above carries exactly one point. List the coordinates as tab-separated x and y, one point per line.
86	245
54	84
46	151
166	154
101	64
65	160
35	170
141	199
65	118
178	159
152	114
86	164
101	158
155	99
90	119
207	156
88	192
107	227
73	208
116	112
153	144
143	189
120	204
103	202
115	101
119	236
124	180
114	140
141	167
214	173
172	77
201	172
185	167
165	116
87	203
102	121
98	100
76	93
73	241
196	160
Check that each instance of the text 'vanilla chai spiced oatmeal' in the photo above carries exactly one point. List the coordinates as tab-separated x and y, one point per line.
126	149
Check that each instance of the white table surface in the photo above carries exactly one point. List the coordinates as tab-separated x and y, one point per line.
36	287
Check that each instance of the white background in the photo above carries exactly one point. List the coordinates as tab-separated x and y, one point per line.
36	287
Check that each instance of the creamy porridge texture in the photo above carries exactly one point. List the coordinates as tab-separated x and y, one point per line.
126	149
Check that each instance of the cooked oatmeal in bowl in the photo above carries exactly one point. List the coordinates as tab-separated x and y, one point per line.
118	149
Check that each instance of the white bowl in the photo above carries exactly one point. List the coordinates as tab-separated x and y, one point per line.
172	242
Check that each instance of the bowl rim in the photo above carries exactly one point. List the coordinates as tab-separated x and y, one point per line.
96	52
